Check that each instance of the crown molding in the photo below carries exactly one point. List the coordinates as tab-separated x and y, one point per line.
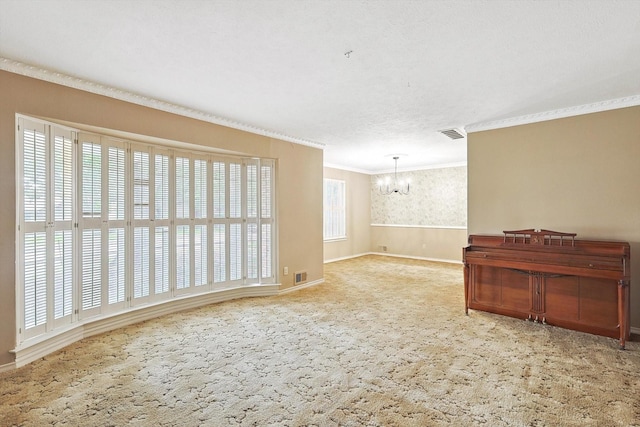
386	171
596	107
421	168
346	168
32	71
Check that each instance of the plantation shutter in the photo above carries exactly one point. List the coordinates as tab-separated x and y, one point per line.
235	246
161	221
141	225
220	222
63	215
266	224
34	226
252	221
182	224
91	224
201	238
116	172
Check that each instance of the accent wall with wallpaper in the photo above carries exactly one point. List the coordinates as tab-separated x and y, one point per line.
429	222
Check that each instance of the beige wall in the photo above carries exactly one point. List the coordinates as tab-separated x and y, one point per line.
439	244
358	216
299	172
579	174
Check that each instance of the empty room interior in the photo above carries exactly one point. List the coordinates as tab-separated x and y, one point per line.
320	212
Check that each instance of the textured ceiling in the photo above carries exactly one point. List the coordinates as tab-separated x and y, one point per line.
414	67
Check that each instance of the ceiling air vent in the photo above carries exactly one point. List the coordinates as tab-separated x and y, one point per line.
453	133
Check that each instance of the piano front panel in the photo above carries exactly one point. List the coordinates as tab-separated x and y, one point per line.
515	291
599	302
502	289
487	285
562	298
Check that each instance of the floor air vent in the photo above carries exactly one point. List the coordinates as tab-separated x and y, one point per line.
300	277
453	133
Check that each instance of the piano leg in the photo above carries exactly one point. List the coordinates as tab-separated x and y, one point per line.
623	301
466	288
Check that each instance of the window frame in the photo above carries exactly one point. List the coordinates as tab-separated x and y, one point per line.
334	209
98	222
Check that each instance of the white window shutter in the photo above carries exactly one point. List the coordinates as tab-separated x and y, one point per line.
219	253
200	189
116	175
63	178
91	269
34	175
63	275
182	188
200	261
141	190
161	260
141	262
35	279
161	187
183	273
235	251
116	262
91	180
219	190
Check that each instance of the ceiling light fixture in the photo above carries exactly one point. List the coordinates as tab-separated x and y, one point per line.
387	186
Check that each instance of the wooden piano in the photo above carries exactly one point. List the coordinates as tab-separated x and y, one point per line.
551	277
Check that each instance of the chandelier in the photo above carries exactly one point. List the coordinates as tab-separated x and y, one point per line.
387	186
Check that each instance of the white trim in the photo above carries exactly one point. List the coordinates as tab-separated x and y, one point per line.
327	261
421	168
346	168
635	330
302	286
444	227
447	261
32	71
383	171
38	347
596	107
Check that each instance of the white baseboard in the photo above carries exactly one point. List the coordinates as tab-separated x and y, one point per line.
38	347
635	330
302	286
327	261
448	261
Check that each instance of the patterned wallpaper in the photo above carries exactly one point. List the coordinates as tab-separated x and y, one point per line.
437	197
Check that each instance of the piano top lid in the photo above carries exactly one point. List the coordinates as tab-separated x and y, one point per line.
563	244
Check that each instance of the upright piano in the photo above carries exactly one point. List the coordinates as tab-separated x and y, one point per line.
552	278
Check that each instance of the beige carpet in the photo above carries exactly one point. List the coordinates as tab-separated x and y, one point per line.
383	342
